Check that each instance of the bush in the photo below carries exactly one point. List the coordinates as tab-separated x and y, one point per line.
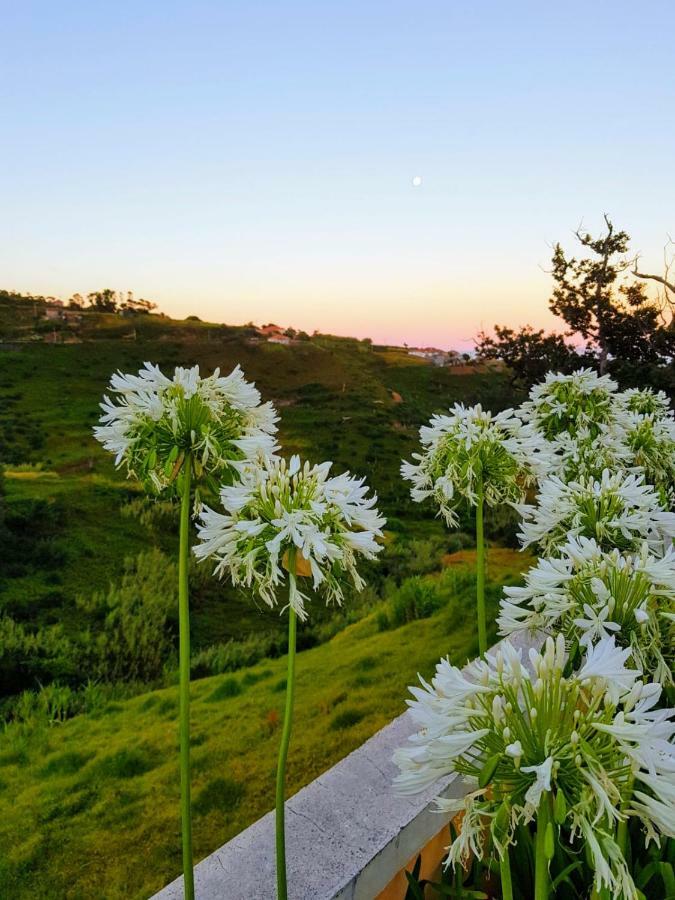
233	655
29	657
415	599
135	631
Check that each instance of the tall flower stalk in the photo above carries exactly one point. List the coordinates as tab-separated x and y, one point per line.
177	435
280	825
284	521
472	458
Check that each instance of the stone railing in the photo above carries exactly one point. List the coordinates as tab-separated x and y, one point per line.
349	836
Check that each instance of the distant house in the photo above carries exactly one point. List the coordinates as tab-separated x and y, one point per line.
55	312
435	356
279	339
271	331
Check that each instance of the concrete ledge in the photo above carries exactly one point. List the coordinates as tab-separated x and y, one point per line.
347	833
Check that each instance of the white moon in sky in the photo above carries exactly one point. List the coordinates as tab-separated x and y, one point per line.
417	181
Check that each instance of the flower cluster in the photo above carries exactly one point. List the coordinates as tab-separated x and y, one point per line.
471	454
588	594
616	510
291	518
570	403
645	401
158	422
577	739
522	736
650	442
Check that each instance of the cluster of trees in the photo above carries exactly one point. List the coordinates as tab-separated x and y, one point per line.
108	300
613	322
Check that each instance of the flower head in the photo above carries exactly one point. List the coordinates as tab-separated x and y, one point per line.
158	421
616	510
468	451
645	401
650	440
588	452
567	403
589	594
519	735
288	519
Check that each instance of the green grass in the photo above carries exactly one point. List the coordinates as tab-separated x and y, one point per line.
94	801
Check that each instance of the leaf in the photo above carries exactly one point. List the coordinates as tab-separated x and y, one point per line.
488	770
564	875
415	888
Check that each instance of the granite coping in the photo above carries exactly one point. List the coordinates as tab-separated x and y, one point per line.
347	832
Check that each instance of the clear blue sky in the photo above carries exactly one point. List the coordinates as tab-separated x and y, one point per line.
246	160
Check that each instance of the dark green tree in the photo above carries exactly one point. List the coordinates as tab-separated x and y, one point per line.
617	320
103	301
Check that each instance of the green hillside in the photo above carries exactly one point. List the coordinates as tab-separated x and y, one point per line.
88	769
335	398
93	800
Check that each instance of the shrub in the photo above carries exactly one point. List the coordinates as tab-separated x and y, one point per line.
415	599
28	657
134	636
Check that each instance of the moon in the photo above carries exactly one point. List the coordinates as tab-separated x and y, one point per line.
417	181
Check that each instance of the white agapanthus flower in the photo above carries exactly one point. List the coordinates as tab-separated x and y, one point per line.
287	519
650	441
568	403
520	735
154	422
645	401
471	450
588	452
616	510
589	594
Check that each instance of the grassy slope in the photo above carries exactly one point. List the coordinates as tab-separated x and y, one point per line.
94	801
334	397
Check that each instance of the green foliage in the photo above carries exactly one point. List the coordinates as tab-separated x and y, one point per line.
415	599
133	634
28	657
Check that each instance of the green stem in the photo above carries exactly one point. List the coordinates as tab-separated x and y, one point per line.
505	872
541	876
480	573
622	828
184	689
282	889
